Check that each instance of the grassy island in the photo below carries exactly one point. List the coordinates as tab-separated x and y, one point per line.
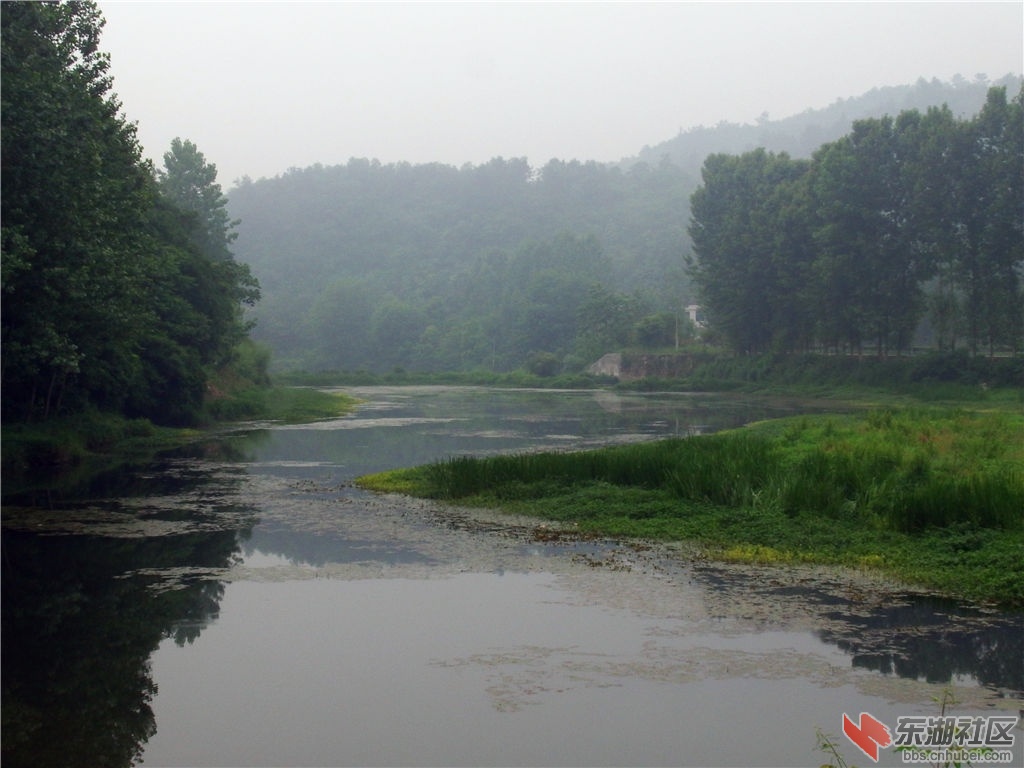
930	496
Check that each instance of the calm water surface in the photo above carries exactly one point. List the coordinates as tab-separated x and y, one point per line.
239	603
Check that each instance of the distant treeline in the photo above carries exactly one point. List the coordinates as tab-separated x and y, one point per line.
434	268
917	219
502	266
119	290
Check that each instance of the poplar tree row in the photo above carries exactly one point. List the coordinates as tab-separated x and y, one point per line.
908	230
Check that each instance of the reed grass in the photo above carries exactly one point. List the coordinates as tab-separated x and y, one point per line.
901	471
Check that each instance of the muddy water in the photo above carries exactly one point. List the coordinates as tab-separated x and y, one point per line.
240	603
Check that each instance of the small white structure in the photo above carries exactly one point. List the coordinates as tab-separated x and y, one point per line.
695	315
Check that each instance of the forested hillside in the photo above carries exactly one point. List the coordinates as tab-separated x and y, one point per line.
503	265
120	293
429	267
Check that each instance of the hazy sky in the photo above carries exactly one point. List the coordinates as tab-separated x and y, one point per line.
262	87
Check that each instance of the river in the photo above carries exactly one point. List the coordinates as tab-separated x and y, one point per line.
240	603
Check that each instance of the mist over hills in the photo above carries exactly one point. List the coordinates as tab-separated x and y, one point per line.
800	135
432	267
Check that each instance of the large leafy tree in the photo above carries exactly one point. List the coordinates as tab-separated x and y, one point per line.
75	193
117	294
940	187
218	286
992	252
190	183
847	251
868	251
734	230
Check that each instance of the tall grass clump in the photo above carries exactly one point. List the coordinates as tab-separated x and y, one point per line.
733	469
838	483
643	465
909	470
994	500
903	471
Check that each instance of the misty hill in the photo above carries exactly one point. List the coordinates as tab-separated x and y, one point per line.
432	267
365	265
800	135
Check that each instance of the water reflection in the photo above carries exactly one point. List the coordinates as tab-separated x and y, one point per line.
935	640
880	628
77	638
80	621
106	574
316	550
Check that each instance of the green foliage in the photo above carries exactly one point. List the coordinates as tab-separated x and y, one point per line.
479	267
935	376
252	363
899	216
931	496
66	442
293	405
190	184
74	195
543	364
663	329
736	216
119	293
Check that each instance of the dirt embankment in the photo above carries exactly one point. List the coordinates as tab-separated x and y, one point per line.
631	366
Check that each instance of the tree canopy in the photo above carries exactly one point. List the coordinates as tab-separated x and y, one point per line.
115	295
906	227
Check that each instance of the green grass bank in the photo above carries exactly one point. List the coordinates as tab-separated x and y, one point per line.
930	496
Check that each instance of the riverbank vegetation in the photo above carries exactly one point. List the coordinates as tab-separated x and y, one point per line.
934	377
930	496
952	376
121	293
61	444
123	311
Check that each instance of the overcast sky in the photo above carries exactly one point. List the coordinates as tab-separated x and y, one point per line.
263	87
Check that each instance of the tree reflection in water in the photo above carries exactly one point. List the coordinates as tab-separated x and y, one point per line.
78	634
79	624
909	635
932	639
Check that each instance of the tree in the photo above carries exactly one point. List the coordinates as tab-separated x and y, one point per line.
663	329
873	265
395	329
606	320
734	228
74	197
339	324
114	297
994	257
190	183
938	178
219	286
